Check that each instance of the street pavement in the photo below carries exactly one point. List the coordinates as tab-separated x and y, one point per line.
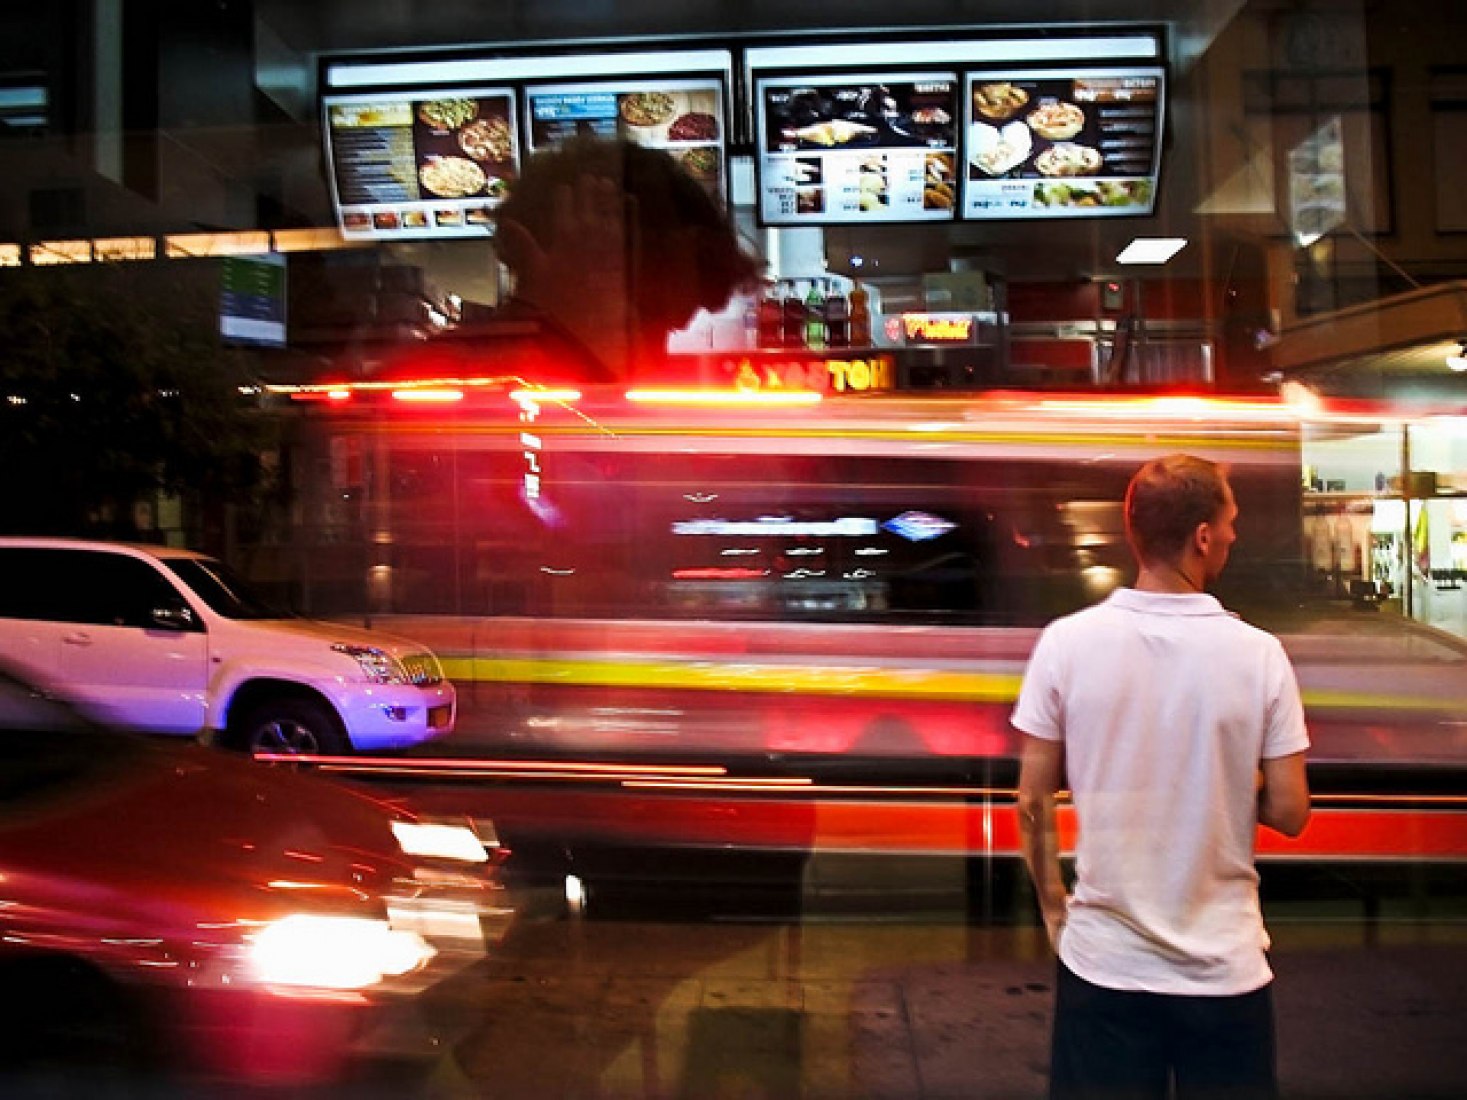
905	1008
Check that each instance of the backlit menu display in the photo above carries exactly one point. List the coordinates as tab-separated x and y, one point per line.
1062	143
684	116
857	149
421	165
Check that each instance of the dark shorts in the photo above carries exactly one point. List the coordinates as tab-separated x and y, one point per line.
1114	1043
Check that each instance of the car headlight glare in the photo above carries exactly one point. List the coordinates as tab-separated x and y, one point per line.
377	665
322	952
434	841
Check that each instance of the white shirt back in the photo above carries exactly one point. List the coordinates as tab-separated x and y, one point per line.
1166	705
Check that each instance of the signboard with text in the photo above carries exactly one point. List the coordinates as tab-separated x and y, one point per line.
421	165
857	149
683	116
770	373
252	299
1062	143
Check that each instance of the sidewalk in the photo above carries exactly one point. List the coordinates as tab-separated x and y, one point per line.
623	1009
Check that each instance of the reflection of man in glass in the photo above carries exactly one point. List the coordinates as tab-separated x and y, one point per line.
614	246
1179	729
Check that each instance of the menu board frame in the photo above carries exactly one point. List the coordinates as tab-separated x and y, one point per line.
741	68
451	152
673	114
856	146
1054	153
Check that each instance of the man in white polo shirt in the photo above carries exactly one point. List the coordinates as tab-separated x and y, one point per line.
1177	728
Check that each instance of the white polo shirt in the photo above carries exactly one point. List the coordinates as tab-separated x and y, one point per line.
1166	705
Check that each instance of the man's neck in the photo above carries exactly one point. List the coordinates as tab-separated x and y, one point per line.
1180	578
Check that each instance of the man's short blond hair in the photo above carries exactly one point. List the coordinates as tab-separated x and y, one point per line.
1166	501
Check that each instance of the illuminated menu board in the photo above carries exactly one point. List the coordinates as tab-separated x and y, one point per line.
684	116
421	165
857	149
1062	143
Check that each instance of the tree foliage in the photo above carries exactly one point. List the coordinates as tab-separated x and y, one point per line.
114	387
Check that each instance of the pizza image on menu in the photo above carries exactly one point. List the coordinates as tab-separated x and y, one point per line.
1056	120
487	139
1000	101
451	177
447	114
693	126
996	151
702	163
1065	158
647	108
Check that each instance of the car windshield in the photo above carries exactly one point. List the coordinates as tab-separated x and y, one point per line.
223	590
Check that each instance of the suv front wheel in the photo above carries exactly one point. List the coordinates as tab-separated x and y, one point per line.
291	726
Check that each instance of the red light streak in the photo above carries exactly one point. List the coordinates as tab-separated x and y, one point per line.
719	573
428	396
434	763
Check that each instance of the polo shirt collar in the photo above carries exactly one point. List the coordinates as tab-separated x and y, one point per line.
1166	603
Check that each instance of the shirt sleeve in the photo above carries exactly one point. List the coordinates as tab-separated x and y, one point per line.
1285	732
1040	709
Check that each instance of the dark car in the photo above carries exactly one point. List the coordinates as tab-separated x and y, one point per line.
166	909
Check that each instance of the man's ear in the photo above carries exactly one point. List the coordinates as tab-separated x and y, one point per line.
1202	538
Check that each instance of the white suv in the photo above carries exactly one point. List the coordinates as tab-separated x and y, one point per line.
169	641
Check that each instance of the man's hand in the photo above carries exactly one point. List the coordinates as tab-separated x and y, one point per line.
1041	773
1054	922
1283	794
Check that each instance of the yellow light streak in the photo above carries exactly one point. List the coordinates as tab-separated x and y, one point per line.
700	675
551	395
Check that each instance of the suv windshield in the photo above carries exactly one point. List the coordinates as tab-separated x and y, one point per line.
223	590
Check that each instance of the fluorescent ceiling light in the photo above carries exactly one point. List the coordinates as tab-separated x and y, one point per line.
346	74
1151	250
984	51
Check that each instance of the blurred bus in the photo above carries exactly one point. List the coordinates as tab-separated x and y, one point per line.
851	580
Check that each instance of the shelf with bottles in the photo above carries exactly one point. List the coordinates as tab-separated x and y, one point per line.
811	314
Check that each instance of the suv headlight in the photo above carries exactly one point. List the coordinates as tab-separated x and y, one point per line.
377	665
324	952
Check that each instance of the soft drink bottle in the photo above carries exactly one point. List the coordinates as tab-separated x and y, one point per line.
815	317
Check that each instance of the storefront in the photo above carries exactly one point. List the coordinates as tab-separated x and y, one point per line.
1386	501
1385	515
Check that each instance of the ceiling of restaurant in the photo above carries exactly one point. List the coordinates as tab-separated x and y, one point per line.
344	25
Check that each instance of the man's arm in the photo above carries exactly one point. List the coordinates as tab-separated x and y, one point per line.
1283	794
1041	773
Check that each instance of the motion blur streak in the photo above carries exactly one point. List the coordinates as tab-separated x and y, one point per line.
409	764
849	818
722	397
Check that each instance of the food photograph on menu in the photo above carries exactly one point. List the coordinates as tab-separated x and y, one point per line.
1061	144
858	149
683	116
424	166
